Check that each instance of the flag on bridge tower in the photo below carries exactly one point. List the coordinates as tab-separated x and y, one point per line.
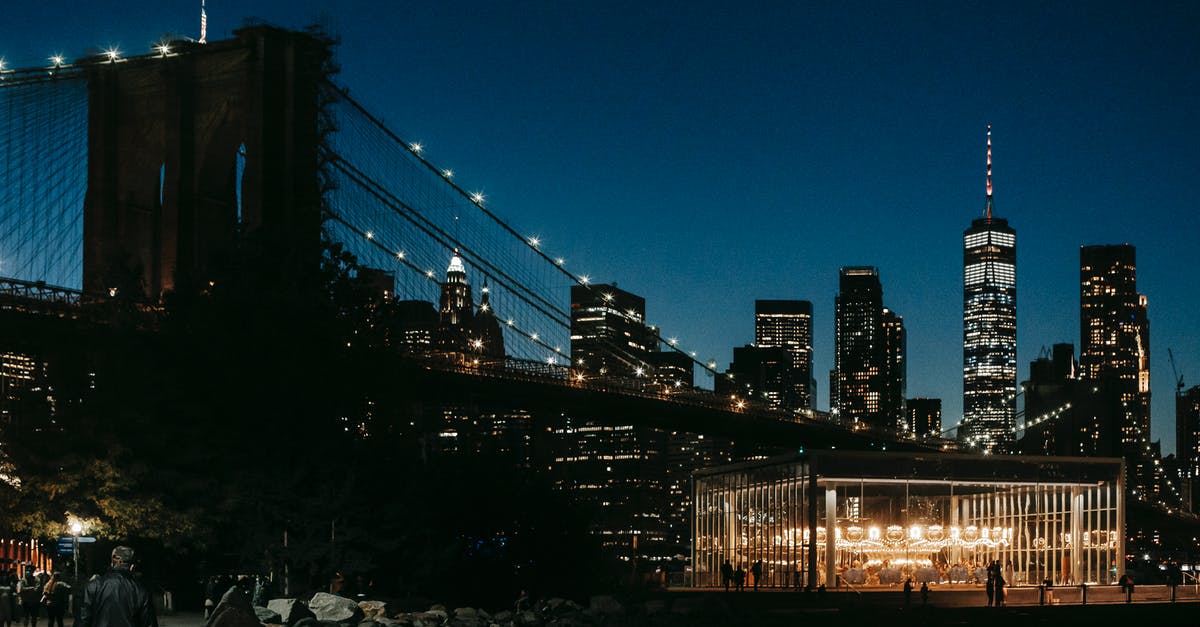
203	23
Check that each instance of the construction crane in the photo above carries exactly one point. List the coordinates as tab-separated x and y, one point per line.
1178	377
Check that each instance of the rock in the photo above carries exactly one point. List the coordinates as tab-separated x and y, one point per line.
291	611
527	618
432	618
466	613
308	621
332	608
267	616
503	616
234	610
369	623
437	608
604	604
374	609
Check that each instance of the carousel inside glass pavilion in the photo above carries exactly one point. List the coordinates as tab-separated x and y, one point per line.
839	518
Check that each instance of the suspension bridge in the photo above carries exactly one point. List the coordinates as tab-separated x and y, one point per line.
163	158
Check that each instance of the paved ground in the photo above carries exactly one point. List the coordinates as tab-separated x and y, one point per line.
965	596
181	619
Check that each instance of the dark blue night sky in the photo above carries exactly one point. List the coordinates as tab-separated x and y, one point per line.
705	154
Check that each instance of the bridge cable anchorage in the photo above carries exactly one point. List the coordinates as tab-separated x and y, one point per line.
416	151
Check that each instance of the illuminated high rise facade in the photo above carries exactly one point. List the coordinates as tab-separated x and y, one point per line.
867	383
1187	444
462	327
787	324
989	329
609	335
1115	354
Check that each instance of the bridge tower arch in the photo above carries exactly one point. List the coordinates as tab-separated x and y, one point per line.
164	137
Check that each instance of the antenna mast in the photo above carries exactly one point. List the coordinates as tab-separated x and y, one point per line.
203	24
989	172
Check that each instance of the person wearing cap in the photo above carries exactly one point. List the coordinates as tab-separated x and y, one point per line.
117	599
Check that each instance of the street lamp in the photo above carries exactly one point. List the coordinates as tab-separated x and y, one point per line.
76	529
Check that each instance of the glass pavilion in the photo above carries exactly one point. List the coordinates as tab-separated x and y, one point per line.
874	519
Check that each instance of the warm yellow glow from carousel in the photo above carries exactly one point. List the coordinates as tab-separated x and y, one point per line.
917	537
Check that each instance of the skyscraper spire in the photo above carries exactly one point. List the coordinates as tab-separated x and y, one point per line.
203	23
989	171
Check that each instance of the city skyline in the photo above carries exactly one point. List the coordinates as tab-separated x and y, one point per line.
793	142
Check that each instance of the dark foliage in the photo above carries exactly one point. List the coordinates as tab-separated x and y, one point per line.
261	404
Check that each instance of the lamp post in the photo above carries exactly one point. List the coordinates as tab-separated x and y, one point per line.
76	529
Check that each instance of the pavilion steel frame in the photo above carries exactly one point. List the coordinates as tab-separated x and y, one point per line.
936	517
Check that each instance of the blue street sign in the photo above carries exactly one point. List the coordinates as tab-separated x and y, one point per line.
70	539
65	550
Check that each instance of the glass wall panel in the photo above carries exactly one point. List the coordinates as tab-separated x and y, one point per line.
878	531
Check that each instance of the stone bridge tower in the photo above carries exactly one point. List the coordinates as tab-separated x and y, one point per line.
190	149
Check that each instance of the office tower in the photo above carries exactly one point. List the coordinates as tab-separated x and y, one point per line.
609	335
895	379
787	324
1187	444
416	326
673	369
989	328
924	417
1057	407
1115	354
460	326
614	468
867	381
763	374
380	285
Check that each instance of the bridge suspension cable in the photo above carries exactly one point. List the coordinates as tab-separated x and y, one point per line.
362	124
43	175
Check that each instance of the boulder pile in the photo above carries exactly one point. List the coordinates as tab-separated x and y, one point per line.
327	610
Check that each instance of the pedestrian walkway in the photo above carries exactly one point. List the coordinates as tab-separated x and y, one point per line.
181	619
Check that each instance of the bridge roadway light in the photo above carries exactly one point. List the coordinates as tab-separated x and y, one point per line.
57	60
163	49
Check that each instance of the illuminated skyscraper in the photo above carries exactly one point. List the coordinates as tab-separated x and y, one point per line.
461	326
1187	444
1115	353
924	417
989	328
787	324
608	331
867	383
616	468
895	371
